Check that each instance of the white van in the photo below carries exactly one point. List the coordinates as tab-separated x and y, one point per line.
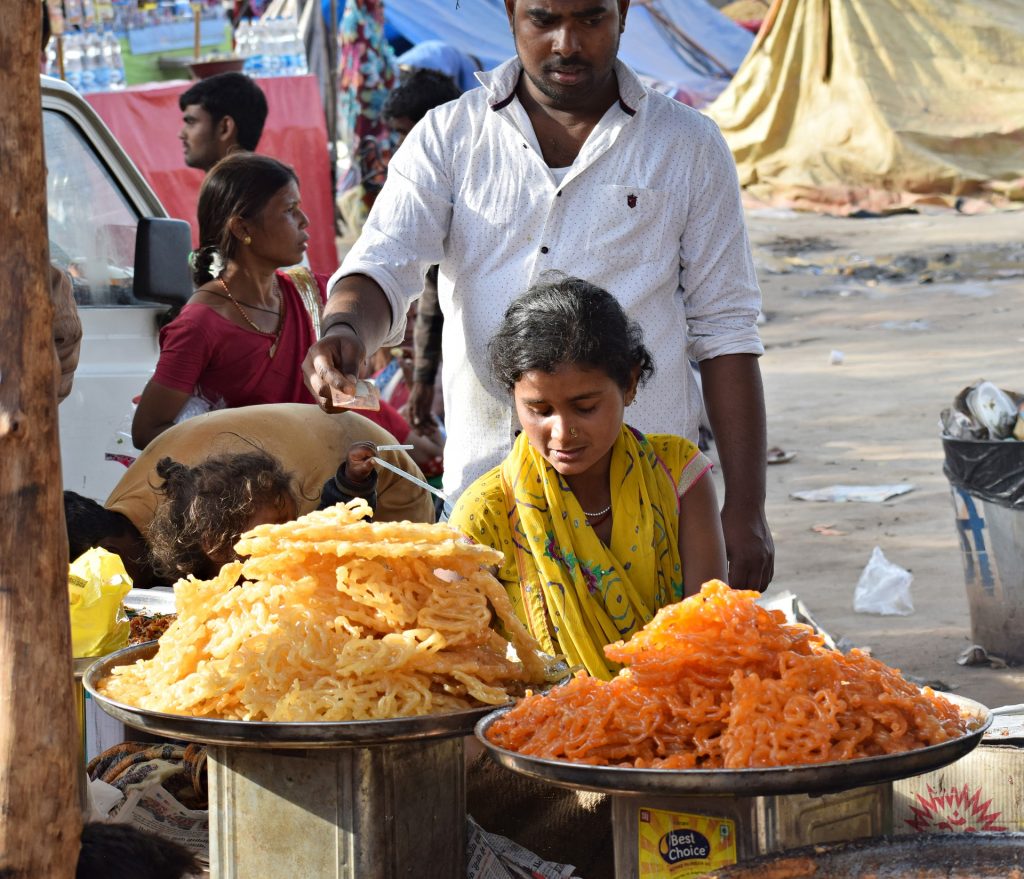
128	263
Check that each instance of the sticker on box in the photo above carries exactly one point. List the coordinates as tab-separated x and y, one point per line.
673	845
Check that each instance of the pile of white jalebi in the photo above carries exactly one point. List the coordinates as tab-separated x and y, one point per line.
337	618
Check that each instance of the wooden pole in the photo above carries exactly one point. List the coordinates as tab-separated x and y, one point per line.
197	30
40	820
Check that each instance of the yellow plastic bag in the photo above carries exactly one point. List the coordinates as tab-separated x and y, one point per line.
97	582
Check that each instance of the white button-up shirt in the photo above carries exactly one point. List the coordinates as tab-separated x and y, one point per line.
650	211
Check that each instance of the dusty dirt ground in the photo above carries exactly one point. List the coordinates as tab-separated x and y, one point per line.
920	306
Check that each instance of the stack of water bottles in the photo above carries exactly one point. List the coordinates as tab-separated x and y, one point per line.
271	47
92	61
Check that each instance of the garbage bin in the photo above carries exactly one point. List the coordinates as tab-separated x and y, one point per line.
987	481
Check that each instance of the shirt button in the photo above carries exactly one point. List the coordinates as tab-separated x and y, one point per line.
544	250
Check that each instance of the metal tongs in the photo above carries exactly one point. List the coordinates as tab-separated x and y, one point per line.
446	509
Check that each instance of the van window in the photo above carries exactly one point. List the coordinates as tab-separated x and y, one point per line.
91	223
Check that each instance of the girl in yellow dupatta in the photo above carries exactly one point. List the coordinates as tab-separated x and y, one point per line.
600	525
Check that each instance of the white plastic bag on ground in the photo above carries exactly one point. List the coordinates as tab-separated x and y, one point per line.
883	588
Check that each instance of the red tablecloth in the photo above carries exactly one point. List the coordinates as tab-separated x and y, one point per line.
146	120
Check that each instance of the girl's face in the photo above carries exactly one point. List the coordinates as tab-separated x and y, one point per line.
279	232
267	511
572	416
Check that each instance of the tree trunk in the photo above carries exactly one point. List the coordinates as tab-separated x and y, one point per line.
40	820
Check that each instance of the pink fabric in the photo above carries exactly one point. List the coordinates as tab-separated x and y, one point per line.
146	121
390	419
204	351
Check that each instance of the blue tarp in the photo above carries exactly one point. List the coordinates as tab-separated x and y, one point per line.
697	54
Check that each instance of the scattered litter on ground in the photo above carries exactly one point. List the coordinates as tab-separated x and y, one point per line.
841	494
836	357
827	531
906	325
777	455
978	655
883	588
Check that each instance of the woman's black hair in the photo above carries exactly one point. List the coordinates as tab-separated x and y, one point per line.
239	185
206	508
568	320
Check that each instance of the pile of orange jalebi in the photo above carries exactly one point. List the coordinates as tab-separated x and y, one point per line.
716	681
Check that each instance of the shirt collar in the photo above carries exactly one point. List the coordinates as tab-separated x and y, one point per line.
500	85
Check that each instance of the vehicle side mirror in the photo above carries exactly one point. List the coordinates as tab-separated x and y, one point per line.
162	272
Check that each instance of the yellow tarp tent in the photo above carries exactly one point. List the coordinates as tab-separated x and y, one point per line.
845	104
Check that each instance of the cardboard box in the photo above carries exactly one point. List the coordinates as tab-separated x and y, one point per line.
983	791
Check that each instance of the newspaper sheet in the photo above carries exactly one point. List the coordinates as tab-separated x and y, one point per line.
152	808
495	857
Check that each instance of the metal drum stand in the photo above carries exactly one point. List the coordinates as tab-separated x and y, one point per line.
380	799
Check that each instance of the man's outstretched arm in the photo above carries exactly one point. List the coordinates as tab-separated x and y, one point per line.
356	321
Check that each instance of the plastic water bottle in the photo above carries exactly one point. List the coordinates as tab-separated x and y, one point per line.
95	63
271	47
299	65
52	68
73	12
73	61
255	64
243	42
113	61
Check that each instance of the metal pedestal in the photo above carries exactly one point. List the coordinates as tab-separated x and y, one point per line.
382	812
657	837
371	799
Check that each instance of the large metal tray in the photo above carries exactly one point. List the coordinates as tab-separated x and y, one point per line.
819	778
918	856
266	734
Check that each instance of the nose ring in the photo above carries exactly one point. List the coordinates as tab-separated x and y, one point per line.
573	433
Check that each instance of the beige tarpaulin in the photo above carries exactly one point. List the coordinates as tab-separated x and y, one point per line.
876	103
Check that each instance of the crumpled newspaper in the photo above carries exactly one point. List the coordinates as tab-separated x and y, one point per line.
495	857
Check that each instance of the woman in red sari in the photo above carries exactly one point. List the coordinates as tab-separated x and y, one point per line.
241	338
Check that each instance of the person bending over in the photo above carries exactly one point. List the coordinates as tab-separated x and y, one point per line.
328	455
600	524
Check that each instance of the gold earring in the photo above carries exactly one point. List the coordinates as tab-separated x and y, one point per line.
247	240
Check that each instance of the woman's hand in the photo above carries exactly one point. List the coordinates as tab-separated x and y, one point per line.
157	409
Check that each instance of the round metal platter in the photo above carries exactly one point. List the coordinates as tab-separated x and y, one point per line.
816	778
266	734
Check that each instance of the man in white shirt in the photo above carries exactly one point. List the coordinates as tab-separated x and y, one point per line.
565	160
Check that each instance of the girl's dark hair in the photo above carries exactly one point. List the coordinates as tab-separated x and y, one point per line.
206	508
239	185
568	320
120	851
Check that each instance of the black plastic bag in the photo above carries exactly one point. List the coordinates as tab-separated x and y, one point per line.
992	470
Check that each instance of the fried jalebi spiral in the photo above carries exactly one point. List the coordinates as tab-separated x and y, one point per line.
336	618
717	681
